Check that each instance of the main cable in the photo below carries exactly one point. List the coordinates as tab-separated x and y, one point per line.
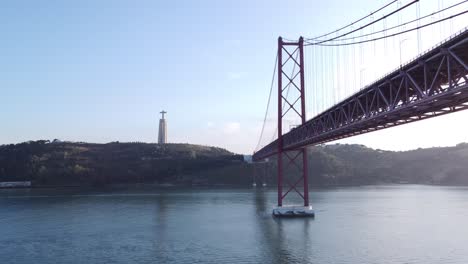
324	35
392	35
397	26
268	103
368	24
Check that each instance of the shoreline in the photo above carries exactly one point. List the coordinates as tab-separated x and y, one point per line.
169	186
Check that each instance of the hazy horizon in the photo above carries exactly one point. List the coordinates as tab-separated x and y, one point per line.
240	153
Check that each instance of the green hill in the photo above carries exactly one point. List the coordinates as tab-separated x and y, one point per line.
357	164
66	163
76	164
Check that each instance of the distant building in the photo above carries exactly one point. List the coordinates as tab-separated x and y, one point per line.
162	136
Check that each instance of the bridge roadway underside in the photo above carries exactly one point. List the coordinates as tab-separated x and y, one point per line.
434	84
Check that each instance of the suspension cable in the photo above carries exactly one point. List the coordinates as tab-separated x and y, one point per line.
268	103
368	24
376	11
397	26
391	35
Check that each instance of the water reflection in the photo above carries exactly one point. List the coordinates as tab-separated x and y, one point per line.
161	236
395	224
284	240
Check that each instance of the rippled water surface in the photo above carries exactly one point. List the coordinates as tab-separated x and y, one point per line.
386	224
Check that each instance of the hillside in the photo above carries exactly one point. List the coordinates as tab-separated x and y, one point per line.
357	164
65	163
72	164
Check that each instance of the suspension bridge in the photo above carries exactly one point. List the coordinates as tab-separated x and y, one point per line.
432	84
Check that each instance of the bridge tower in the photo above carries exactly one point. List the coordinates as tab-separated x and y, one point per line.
291	55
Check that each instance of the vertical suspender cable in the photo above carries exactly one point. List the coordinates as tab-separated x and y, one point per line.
338	76
418	15
440	17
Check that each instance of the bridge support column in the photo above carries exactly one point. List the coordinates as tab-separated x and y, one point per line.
280	122
291	70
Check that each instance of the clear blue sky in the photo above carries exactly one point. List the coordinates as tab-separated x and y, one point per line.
101	70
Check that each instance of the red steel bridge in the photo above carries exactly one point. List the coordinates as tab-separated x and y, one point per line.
433	84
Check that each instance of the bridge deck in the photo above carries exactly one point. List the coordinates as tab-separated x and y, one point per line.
433	84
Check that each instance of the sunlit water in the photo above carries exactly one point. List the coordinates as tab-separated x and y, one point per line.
389	224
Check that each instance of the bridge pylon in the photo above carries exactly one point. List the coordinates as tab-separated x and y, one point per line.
291	53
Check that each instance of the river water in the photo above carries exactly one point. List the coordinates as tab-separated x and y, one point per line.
374	224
